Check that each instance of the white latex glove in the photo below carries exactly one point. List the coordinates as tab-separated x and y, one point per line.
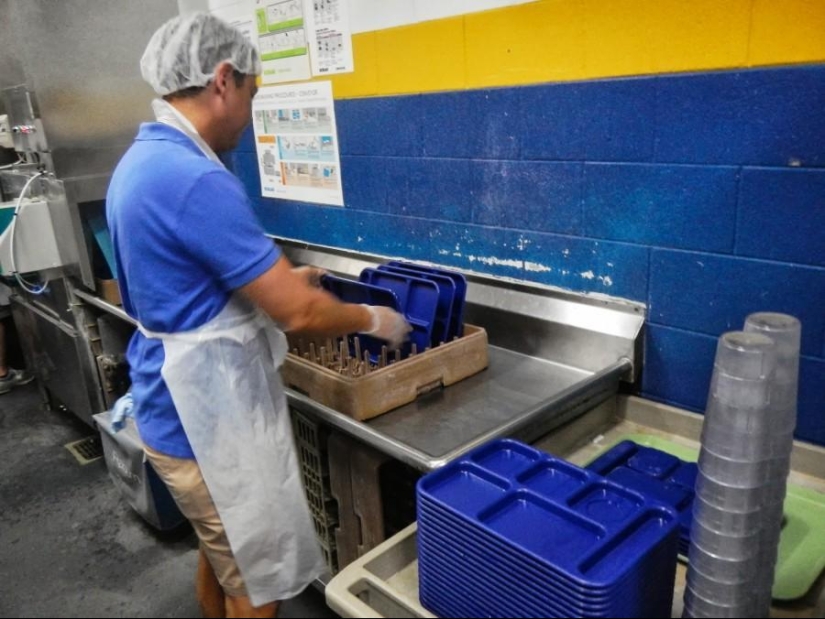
389	325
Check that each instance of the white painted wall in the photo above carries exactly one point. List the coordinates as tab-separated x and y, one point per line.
369	15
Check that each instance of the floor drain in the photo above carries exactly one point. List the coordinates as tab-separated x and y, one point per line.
86	450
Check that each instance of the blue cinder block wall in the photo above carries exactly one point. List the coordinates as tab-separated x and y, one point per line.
701	195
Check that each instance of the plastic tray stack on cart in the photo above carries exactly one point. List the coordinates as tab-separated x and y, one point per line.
510	531
655	474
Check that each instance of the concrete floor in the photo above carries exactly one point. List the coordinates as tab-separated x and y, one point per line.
70	546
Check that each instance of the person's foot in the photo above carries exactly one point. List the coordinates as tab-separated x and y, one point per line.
14	378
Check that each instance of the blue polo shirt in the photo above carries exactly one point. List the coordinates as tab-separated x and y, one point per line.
185	237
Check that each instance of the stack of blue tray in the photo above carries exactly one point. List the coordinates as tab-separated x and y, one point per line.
417	297
432	300
508	531
452	286
445	288
655	474
358	292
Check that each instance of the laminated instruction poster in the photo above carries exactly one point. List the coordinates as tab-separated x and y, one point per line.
296	39
297	143
282	40
330	37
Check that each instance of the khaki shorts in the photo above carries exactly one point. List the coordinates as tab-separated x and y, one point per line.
185	482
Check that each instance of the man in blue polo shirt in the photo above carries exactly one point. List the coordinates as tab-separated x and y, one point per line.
211	294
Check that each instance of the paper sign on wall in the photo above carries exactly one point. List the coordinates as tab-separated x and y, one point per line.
330	37
297	143
296	39
283	42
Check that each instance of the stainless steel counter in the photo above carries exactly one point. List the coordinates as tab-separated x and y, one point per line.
566	355
516	395
554	355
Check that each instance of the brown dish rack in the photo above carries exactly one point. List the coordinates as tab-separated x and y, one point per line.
362	389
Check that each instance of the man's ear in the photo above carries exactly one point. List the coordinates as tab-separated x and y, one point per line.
223	74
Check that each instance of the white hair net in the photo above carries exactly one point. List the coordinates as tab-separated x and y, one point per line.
186	50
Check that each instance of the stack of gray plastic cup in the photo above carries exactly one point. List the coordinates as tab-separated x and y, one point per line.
747	438
786	333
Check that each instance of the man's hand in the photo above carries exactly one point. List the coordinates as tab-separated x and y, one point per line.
311	275
389	325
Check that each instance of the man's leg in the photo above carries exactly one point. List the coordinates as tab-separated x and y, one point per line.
208	590
218	585
242	607
215	605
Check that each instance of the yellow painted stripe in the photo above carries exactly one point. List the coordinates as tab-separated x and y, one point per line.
512	45
363	82
628	37
416	59
791	31
566	40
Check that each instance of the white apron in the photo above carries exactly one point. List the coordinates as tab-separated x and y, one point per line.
224	382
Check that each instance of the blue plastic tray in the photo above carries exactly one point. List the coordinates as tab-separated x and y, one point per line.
459	551
656	474
592	534
507	530
467	539
351	291
444	309
503	595
457	315
498	596
418	299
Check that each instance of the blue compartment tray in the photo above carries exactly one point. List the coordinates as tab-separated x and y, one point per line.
518	532
657	475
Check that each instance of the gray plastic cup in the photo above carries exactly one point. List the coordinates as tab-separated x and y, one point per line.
749	356
738	498
752	418
720	519
722	569
738	446
742	472
723	594
786	332
741	393
726	546
698	606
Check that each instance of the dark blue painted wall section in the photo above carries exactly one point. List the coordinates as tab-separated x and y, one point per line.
701	195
